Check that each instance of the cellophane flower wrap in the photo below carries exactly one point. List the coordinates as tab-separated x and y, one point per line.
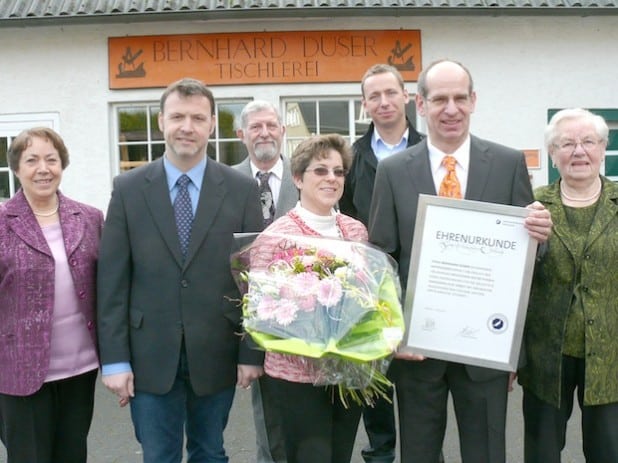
328	299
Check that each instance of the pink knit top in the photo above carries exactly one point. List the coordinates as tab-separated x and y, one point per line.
72	350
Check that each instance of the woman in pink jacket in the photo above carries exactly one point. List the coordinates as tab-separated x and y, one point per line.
48	357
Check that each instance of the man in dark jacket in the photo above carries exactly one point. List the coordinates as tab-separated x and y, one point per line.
384	100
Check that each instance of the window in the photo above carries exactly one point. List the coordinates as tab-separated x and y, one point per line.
139	139
10	126
311	116
7	179
230	150
308	116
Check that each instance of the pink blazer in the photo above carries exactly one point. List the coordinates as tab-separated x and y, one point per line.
27	286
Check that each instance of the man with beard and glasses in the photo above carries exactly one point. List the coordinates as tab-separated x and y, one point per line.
261	131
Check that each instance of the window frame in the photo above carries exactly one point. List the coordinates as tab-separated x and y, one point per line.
357	125
151	109
353	119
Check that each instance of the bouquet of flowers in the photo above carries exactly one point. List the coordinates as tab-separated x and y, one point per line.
332	300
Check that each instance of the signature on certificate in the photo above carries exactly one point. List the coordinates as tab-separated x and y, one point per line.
468	332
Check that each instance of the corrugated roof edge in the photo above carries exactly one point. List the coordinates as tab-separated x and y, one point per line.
241	9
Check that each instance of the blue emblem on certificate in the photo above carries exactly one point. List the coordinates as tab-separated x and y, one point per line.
497	323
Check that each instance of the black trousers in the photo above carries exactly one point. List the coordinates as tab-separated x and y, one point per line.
268	422
480	409
381	430
316	425
545	425
51	425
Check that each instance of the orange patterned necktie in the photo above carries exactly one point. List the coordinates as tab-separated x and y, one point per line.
450	186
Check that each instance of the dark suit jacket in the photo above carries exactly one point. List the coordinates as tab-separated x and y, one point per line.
27	287
358	190
149	300
288	194
496	174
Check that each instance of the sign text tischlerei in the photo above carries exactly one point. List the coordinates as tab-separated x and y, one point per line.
261	57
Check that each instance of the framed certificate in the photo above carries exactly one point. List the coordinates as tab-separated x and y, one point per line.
470	273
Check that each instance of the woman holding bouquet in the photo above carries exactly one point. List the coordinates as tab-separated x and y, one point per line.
317	426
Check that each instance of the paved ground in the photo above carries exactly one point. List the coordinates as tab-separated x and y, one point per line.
112	439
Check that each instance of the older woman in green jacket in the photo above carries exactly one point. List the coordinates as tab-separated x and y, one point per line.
571	334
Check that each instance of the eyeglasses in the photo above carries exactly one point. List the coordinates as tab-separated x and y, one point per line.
321	171
443	100
569	146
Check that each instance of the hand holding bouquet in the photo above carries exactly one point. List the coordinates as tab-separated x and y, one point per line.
327	299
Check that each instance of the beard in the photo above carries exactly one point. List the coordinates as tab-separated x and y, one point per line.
266	152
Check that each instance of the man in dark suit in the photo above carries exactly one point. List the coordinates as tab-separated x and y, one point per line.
487	172
384	98
261	131
168	313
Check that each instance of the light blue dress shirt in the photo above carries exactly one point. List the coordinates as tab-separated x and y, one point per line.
383	150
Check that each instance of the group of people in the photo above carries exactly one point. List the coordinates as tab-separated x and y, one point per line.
148	296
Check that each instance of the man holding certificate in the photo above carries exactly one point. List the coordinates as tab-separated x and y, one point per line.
453	163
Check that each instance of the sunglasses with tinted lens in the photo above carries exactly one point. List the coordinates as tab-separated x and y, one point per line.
321	171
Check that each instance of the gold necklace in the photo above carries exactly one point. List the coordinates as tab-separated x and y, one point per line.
581	200
47	213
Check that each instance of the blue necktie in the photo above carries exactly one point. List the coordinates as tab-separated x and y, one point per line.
266	198
183	212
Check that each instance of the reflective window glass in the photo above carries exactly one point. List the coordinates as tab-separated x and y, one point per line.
5	172
5	192
305	117
334	117
141	141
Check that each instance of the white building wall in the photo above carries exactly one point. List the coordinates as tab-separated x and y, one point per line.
522	66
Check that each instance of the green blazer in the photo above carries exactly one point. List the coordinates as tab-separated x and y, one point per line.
550	298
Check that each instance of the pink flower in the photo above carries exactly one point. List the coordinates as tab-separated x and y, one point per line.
286	312
329	292
287	291
307	262
288	255
305	283
266	308
307	303
324	255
